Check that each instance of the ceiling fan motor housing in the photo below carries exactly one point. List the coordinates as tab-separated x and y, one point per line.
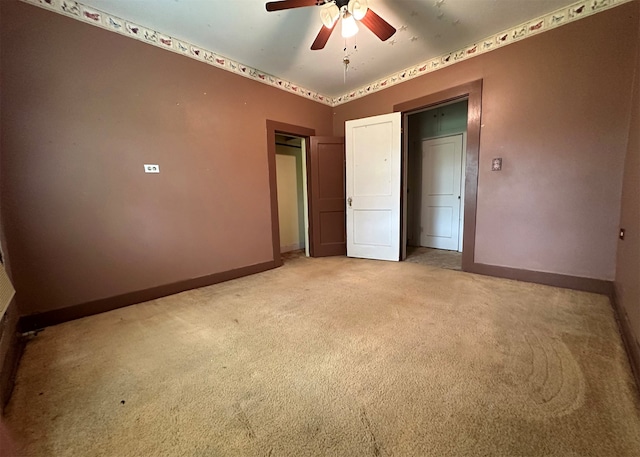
332	10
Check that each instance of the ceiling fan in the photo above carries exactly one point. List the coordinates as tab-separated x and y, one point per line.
333	10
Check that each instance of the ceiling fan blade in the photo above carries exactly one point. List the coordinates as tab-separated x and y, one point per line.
323	37
288	4
381	28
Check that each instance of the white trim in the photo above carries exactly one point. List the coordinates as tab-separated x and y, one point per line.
305	196
463	186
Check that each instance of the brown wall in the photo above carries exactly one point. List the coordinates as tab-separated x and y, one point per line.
628	266
10	342
556	108
82	110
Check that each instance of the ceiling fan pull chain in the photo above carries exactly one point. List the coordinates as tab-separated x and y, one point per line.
344	74
346	62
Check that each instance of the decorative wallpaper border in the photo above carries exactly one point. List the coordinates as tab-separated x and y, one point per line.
77	10
574	12
532	27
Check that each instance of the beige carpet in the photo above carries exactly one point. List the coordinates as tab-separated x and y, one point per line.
335	357
451	260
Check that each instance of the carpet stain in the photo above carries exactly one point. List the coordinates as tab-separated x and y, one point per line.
375	446
244	420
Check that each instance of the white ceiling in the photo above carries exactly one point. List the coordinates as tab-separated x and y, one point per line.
278	42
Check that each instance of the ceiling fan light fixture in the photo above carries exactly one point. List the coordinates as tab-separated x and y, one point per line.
329	14
358	8
349	26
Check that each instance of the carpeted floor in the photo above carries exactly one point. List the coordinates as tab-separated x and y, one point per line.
335	357
451	260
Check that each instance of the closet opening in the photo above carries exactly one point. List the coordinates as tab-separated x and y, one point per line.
435	177
291	181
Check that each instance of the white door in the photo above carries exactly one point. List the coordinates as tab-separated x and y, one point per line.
373	148
441	160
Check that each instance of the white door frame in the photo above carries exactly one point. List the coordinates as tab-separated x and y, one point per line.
305	196
463	179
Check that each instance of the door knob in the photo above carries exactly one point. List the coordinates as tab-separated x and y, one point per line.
349	200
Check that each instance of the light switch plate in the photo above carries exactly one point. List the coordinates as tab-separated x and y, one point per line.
151	168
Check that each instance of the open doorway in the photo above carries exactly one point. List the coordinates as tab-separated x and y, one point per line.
293	211
319	190
472	93
282	130
436	154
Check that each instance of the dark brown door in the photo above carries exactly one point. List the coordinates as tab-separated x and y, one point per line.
327	197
